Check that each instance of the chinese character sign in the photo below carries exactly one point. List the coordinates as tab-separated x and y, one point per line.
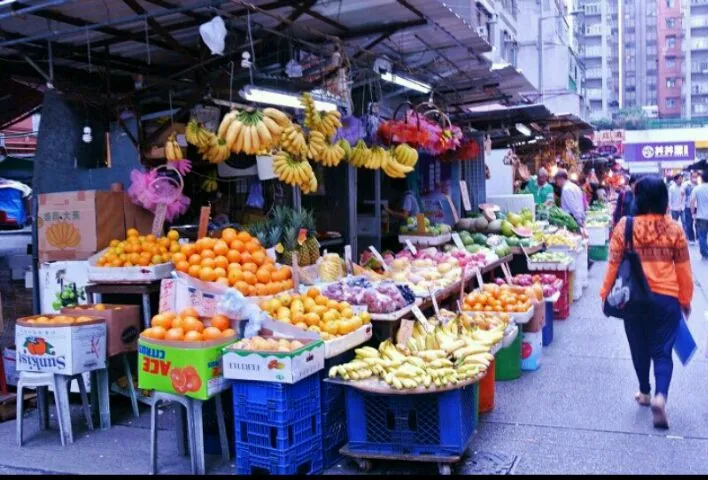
637	152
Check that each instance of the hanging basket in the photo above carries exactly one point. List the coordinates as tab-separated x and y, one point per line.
407	130
443	135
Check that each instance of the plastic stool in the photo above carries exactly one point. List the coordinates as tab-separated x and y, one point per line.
195	430
61	384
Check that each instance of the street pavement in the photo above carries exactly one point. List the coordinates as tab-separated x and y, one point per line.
575	415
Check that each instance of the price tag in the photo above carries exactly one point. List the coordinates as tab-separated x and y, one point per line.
507	273
480	280
455	215
357	309
203	222
459	306
378	257
435	303
296	271
462	282
465	194
159	222
167	295
405	331
420	222
457	241
348	258
421	318
411	247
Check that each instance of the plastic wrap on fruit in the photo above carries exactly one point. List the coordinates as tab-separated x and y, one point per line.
233	304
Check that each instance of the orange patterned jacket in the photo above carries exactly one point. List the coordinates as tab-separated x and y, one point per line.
663	251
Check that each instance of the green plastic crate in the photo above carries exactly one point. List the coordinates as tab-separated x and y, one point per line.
598	253
508	361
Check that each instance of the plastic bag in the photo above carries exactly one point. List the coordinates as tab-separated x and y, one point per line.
234	305
213	33
255	195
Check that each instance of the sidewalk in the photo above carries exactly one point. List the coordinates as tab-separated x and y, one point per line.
574	415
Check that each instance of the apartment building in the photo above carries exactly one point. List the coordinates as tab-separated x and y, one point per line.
695	48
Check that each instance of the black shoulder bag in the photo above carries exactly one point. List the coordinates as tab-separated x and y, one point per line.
631	290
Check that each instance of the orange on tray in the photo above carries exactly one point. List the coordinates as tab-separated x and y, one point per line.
237	260
143	251
187	327
495	298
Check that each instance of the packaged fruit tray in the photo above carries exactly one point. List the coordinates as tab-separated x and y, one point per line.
554	266
398	314
427	240
126	274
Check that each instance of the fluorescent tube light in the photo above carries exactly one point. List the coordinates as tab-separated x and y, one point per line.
523	129
283	99
406	82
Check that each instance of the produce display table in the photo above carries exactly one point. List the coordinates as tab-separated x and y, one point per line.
145	290
518	262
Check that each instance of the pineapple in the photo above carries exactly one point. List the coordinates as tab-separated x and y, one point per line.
311	243
297	223
289	246
258	230
275	232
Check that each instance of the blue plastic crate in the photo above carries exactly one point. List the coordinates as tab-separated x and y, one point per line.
276	403
334	417
435	424
302	459
548	325
278	436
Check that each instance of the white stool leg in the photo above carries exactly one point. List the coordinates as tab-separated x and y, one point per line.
181	430
153	438
198	433
223	438
43	407
84	401
131	387
19	413
61	399
104	405
191	437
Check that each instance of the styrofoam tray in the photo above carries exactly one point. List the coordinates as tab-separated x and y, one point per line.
398	314
347	342
430	241
126	274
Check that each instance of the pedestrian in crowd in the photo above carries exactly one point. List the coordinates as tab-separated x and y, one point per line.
539	187
676	202
699	209
625	201
687	215
663	252
571	197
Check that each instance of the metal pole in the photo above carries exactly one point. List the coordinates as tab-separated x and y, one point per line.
377	206
51	64
540	52
352	209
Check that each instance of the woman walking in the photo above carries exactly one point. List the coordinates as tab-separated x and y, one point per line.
663	251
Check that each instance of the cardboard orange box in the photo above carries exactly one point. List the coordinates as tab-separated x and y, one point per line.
75	225
122	325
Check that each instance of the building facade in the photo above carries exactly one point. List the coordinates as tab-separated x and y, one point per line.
695	44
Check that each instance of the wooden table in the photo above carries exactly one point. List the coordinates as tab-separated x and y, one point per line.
97	290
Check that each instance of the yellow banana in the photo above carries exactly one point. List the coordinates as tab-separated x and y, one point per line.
226	122
232	133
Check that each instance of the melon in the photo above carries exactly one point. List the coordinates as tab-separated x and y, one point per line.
522	232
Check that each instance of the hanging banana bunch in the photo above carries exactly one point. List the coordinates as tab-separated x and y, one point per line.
252	131
327	123
216	152
360	154
293	141
294	171
173	152
197	135
405	155
210	184
346	146
392	167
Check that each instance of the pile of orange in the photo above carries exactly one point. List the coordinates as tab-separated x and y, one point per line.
495	298
186	327
59	320
140	250
236	260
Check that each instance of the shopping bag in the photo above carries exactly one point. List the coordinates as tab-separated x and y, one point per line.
685	345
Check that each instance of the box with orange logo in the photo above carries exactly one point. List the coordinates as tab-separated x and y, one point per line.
275	366
60	344
192	369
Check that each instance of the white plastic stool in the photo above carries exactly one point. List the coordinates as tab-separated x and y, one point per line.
195	430
61	384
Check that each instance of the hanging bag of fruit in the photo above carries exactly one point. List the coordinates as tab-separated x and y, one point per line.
407	130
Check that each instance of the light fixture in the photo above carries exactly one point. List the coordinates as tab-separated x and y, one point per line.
406	82
523	129
284	99
6	2
86	137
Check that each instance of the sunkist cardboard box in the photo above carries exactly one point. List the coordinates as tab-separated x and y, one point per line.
56	348
75	225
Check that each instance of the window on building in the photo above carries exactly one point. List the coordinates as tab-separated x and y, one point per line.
671	41
670	22
670	62
670	102
669	3
670	82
